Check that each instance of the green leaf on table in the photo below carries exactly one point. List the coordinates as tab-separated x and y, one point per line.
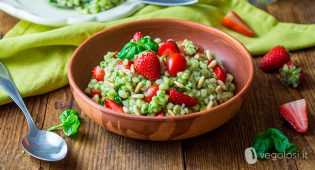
69	122
262	144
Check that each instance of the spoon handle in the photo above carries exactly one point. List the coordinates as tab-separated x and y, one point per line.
8	85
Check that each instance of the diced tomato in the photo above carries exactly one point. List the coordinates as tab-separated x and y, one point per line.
98	73
94	92
151	92
219	71
159	114
121	65
113	106
168	48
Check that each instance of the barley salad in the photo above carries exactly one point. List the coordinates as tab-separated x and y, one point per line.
152	78
87	6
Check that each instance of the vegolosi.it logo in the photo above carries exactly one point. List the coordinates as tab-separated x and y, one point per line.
251	155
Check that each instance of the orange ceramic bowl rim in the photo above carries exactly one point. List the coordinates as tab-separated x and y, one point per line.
221	34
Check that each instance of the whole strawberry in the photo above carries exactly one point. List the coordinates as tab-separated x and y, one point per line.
292	74
177	97
148	65
274	59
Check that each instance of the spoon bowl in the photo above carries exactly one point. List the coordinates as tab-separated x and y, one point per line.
45	145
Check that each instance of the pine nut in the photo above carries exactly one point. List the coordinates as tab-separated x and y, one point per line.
96	98
138	87
132	68
218	89
209	105
180	85
213	80
170	112
201	81
212	64
208	54
110	83
220	82
136	110
137	96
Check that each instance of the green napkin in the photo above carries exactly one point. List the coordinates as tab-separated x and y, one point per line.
37	56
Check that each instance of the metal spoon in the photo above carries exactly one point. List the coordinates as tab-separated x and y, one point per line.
43	145
169	2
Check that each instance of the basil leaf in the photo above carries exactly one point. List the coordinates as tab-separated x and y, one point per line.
63	117
118	100
70	122
130	50
148	44
72	125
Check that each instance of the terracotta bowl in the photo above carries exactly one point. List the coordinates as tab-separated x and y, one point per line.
231	52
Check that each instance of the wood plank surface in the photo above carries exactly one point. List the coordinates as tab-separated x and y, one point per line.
223	148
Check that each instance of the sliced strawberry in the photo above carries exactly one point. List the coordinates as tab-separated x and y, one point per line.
136	36
148	65
98	73
274	59
151	92
292	74
94	92
113	105
168	48
175	63
296	114
219	71
234	22
179	98
120	64
159	114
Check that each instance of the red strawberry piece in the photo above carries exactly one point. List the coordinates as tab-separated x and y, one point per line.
235	22
219	71
94	92
151	92
168	48
148	65
98	73
175	63
159	114
120	64
292	74
296	114
136	36
274	59
179	98
113	105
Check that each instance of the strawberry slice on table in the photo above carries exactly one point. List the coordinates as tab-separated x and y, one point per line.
151	92
168	48
179	98
120	64
274	59
219	71
235	22
296	114
136	36
148	65
94	92
98	73
175	63
113	105
292	74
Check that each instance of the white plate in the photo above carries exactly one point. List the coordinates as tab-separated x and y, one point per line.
41	12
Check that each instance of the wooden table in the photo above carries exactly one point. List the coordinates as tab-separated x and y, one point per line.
223	148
